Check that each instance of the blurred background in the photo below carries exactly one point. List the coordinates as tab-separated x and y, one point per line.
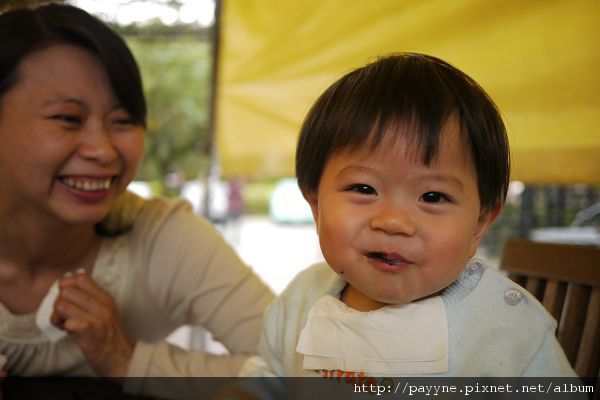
228	83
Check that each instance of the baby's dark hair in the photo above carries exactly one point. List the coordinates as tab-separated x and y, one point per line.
406	90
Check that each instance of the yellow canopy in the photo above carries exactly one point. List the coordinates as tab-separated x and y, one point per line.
539	60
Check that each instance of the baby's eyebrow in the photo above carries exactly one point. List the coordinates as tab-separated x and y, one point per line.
443	178
353	169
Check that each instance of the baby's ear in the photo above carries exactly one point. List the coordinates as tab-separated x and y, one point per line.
486	219
313	202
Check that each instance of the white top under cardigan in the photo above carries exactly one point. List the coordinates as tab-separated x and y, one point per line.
172	268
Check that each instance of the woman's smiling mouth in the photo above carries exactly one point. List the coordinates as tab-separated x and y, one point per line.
87	184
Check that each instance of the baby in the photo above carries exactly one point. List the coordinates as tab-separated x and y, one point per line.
405	164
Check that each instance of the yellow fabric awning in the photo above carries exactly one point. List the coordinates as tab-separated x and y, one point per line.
539	59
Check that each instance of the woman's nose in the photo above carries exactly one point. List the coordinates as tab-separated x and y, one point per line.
393	220
96	145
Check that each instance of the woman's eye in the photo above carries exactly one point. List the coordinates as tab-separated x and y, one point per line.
124	122
433	197
122	119
362	189
69	119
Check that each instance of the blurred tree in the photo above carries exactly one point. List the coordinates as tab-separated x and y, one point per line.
176	77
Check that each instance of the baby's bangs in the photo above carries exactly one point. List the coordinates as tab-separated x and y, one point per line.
404	97
419	129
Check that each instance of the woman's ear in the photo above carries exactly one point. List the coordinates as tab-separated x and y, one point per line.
313	201
485	220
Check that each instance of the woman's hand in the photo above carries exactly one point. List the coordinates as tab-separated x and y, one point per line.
86	310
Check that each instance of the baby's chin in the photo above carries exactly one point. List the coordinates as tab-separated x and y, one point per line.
395	300
370	298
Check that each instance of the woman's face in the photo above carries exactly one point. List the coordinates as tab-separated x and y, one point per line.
68	148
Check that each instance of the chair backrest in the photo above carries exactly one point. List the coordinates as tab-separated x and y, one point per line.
566	280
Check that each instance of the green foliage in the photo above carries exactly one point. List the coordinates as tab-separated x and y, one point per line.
154	29
176	73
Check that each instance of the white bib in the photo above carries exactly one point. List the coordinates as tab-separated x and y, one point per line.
394	340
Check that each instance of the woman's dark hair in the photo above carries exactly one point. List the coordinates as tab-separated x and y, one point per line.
24	31
406	90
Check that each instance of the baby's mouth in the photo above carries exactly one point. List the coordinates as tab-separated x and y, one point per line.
388	258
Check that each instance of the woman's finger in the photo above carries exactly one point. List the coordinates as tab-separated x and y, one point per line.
77	297
56	319
67	309
86	283
76	325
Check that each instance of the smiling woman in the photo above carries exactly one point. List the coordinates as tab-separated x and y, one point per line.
72	121
83	146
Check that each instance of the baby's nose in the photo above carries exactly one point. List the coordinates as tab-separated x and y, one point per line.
393	220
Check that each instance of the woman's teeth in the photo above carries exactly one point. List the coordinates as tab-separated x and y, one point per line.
87	185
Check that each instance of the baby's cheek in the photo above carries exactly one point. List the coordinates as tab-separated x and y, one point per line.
335	262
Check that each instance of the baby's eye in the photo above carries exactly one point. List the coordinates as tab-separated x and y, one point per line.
434	197
362	189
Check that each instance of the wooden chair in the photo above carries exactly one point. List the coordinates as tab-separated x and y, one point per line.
566	280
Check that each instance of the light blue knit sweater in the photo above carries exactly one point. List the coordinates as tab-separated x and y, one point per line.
495	327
